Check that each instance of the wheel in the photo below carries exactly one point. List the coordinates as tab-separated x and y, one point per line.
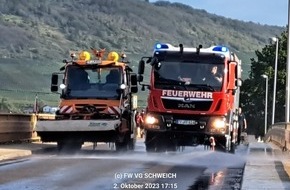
156	142
69	146
121	146
225	144
127	144
171	147
151	142
150	147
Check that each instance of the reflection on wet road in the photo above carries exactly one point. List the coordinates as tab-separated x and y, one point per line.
192	168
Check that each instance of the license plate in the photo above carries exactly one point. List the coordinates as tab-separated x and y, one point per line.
186	122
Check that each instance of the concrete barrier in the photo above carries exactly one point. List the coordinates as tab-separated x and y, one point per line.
45	116
20	127
15	127
279	134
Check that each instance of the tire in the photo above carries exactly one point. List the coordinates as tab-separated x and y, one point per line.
150	142
150	148
171	147
156	142
131	144
121	146
224	144
127	144
69	146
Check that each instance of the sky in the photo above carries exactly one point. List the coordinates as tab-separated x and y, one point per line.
270	12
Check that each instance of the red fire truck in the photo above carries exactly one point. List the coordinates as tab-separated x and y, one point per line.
193	97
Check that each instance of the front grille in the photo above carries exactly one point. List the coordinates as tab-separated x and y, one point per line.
182	105
87	108
187	123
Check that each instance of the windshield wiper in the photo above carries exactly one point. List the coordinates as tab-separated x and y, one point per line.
203	86
184	84
169	81
174	83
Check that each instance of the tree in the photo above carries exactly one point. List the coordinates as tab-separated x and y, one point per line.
253	89
4	105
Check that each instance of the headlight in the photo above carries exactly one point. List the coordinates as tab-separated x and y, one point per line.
218	123
149	119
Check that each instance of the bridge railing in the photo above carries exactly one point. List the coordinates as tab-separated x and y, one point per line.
15	127
19	127
279	133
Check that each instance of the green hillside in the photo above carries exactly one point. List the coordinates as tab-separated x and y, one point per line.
37	35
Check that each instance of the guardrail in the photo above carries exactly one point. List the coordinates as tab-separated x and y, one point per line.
16	127
280	135
19	127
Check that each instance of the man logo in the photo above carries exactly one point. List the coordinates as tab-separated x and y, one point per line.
187	99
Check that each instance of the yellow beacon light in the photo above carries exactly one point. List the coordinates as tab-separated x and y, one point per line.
113	56
84	56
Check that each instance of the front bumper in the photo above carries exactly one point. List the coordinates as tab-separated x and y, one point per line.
77	125
191	124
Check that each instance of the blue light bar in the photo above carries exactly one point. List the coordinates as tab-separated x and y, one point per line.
161	46
220	48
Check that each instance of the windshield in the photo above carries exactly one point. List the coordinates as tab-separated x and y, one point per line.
189	75
88	82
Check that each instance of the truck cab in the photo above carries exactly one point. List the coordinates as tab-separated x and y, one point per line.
193	97
96	102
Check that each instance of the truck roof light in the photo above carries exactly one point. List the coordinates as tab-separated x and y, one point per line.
113	56
161	46
84	56
220	48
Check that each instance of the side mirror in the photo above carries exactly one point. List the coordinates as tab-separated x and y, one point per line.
54	83
154	60
239	70
232	76
134	83
141	67
239	74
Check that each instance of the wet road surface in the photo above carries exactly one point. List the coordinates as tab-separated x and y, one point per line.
189	169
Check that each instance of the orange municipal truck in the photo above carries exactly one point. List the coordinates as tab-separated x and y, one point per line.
96	102
193	97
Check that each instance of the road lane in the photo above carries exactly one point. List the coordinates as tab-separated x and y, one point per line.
191	168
